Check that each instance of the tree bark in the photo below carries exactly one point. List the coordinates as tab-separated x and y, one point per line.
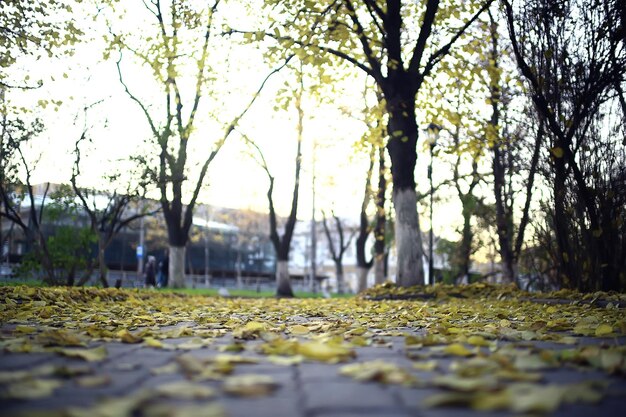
380	275
466	239
283	282
410	270
177	266
402	148
340	279
362	273
364	229
380	244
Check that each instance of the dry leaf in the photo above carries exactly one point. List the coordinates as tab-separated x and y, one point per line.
603	330
285	361
298	330
249	385
189	410
184	390
427	366
31	389
127	337
457	349
59	337
325	352
93	381
90	355
379	371
251	330
465	384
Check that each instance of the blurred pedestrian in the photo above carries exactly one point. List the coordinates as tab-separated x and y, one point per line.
150	273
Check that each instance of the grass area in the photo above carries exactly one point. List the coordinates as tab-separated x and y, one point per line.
12	282
234	292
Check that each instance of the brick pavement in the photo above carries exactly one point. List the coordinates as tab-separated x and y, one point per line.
308	389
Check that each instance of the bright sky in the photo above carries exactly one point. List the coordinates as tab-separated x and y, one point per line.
234	180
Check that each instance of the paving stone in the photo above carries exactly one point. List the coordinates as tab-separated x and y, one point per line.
144	357
10	408
347	393
610	406
463	412
53	359
119	350
364	412
411	398
316	372
20	361
272	406
121	384
156	380
307	390
571	376
374	352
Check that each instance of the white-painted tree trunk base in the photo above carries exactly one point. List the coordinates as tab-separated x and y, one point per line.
410	270
177	267
362	274
283	282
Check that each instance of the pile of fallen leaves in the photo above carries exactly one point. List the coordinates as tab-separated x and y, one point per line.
488	331
390	291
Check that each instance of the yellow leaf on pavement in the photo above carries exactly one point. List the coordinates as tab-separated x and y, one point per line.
127	337
152	342
250	385
251	330
457	349
31	389
24	329
285	360
467	384
190	410
427	366
59	337
477	341
298	330
93	381
325	352
225	358
184	390
379	371
603	330
90	355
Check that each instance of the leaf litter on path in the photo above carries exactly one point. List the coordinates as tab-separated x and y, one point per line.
491	334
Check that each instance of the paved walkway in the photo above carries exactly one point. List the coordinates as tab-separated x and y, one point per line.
307	389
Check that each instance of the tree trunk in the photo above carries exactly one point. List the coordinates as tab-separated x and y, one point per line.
102	268
283	285
362	273
402	144
503	217
466	239
410	270
381	222
364	227
379	269
340	281
561	228
177	266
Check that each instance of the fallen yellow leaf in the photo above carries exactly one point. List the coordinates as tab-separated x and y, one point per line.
249	385
603	330
457	349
